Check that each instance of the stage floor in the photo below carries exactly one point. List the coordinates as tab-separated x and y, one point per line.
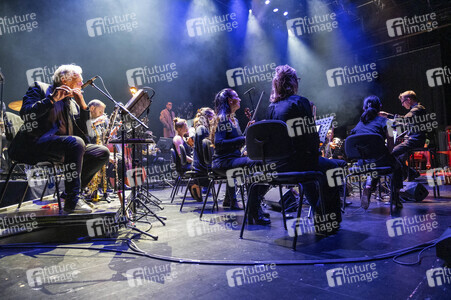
69	273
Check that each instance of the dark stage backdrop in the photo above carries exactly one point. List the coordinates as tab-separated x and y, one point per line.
189	50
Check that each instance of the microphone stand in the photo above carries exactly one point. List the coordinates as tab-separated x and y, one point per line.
124	112
2	124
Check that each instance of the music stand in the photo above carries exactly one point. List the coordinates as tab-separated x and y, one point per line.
324	125
124	111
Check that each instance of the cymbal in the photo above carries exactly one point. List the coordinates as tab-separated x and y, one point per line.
16	105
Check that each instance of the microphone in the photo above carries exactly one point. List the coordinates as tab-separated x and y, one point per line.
89	82
252	88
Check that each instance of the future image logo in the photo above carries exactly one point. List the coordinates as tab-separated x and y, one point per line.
209	25
438	276
149	75
409	25
108	25
41	74
354	74
351	274
248	275
438	76
309	25
410	225
18	23
250	74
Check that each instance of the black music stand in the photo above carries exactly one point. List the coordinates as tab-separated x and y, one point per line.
124	112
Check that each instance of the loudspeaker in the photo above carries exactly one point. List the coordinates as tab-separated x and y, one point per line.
414	191
443	247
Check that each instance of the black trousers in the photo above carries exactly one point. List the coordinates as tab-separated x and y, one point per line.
255	195
78	158
401	153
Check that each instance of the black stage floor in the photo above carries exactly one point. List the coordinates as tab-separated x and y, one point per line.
70	273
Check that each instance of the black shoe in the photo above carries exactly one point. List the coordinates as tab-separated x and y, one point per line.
80	206
259	220
347	203
259	217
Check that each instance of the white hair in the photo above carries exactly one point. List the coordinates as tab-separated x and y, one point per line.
65	71
96	103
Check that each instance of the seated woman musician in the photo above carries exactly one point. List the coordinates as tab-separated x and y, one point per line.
181	128
228	141
202	123
286	105
371	122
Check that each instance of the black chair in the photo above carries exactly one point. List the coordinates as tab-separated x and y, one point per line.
191	175
367	147
269	141
179	168
52	163
214	177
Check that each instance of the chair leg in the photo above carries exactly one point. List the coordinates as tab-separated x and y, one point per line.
210	185
392	188
242	195
283	208
298	217
246	211
43	191
7	181
186	191
343	205
23	196
57	189
176	184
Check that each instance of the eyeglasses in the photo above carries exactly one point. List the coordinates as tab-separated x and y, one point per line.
404	100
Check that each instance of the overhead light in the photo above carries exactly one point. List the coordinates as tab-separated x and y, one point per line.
267	2
285	13
275	10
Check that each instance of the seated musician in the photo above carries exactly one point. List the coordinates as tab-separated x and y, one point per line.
181	128
61	115
286	105
415	138
228	141
370	122
98	119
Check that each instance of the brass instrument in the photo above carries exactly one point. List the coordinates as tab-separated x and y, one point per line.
95	181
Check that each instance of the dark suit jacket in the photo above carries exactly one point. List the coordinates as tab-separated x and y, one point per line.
306	145
35	112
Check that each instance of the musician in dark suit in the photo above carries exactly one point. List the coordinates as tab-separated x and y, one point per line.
286	105
410	122
55	118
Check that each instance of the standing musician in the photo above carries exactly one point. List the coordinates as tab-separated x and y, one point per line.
167	119
228	140
61	115
415	138
286	105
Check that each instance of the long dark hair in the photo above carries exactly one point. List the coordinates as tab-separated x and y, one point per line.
372	106
284	83
222	109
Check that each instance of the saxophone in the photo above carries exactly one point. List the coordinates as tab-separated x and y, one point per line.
93	185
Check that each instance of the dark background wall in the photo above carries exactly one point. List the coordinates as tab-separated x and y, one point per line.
160	35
